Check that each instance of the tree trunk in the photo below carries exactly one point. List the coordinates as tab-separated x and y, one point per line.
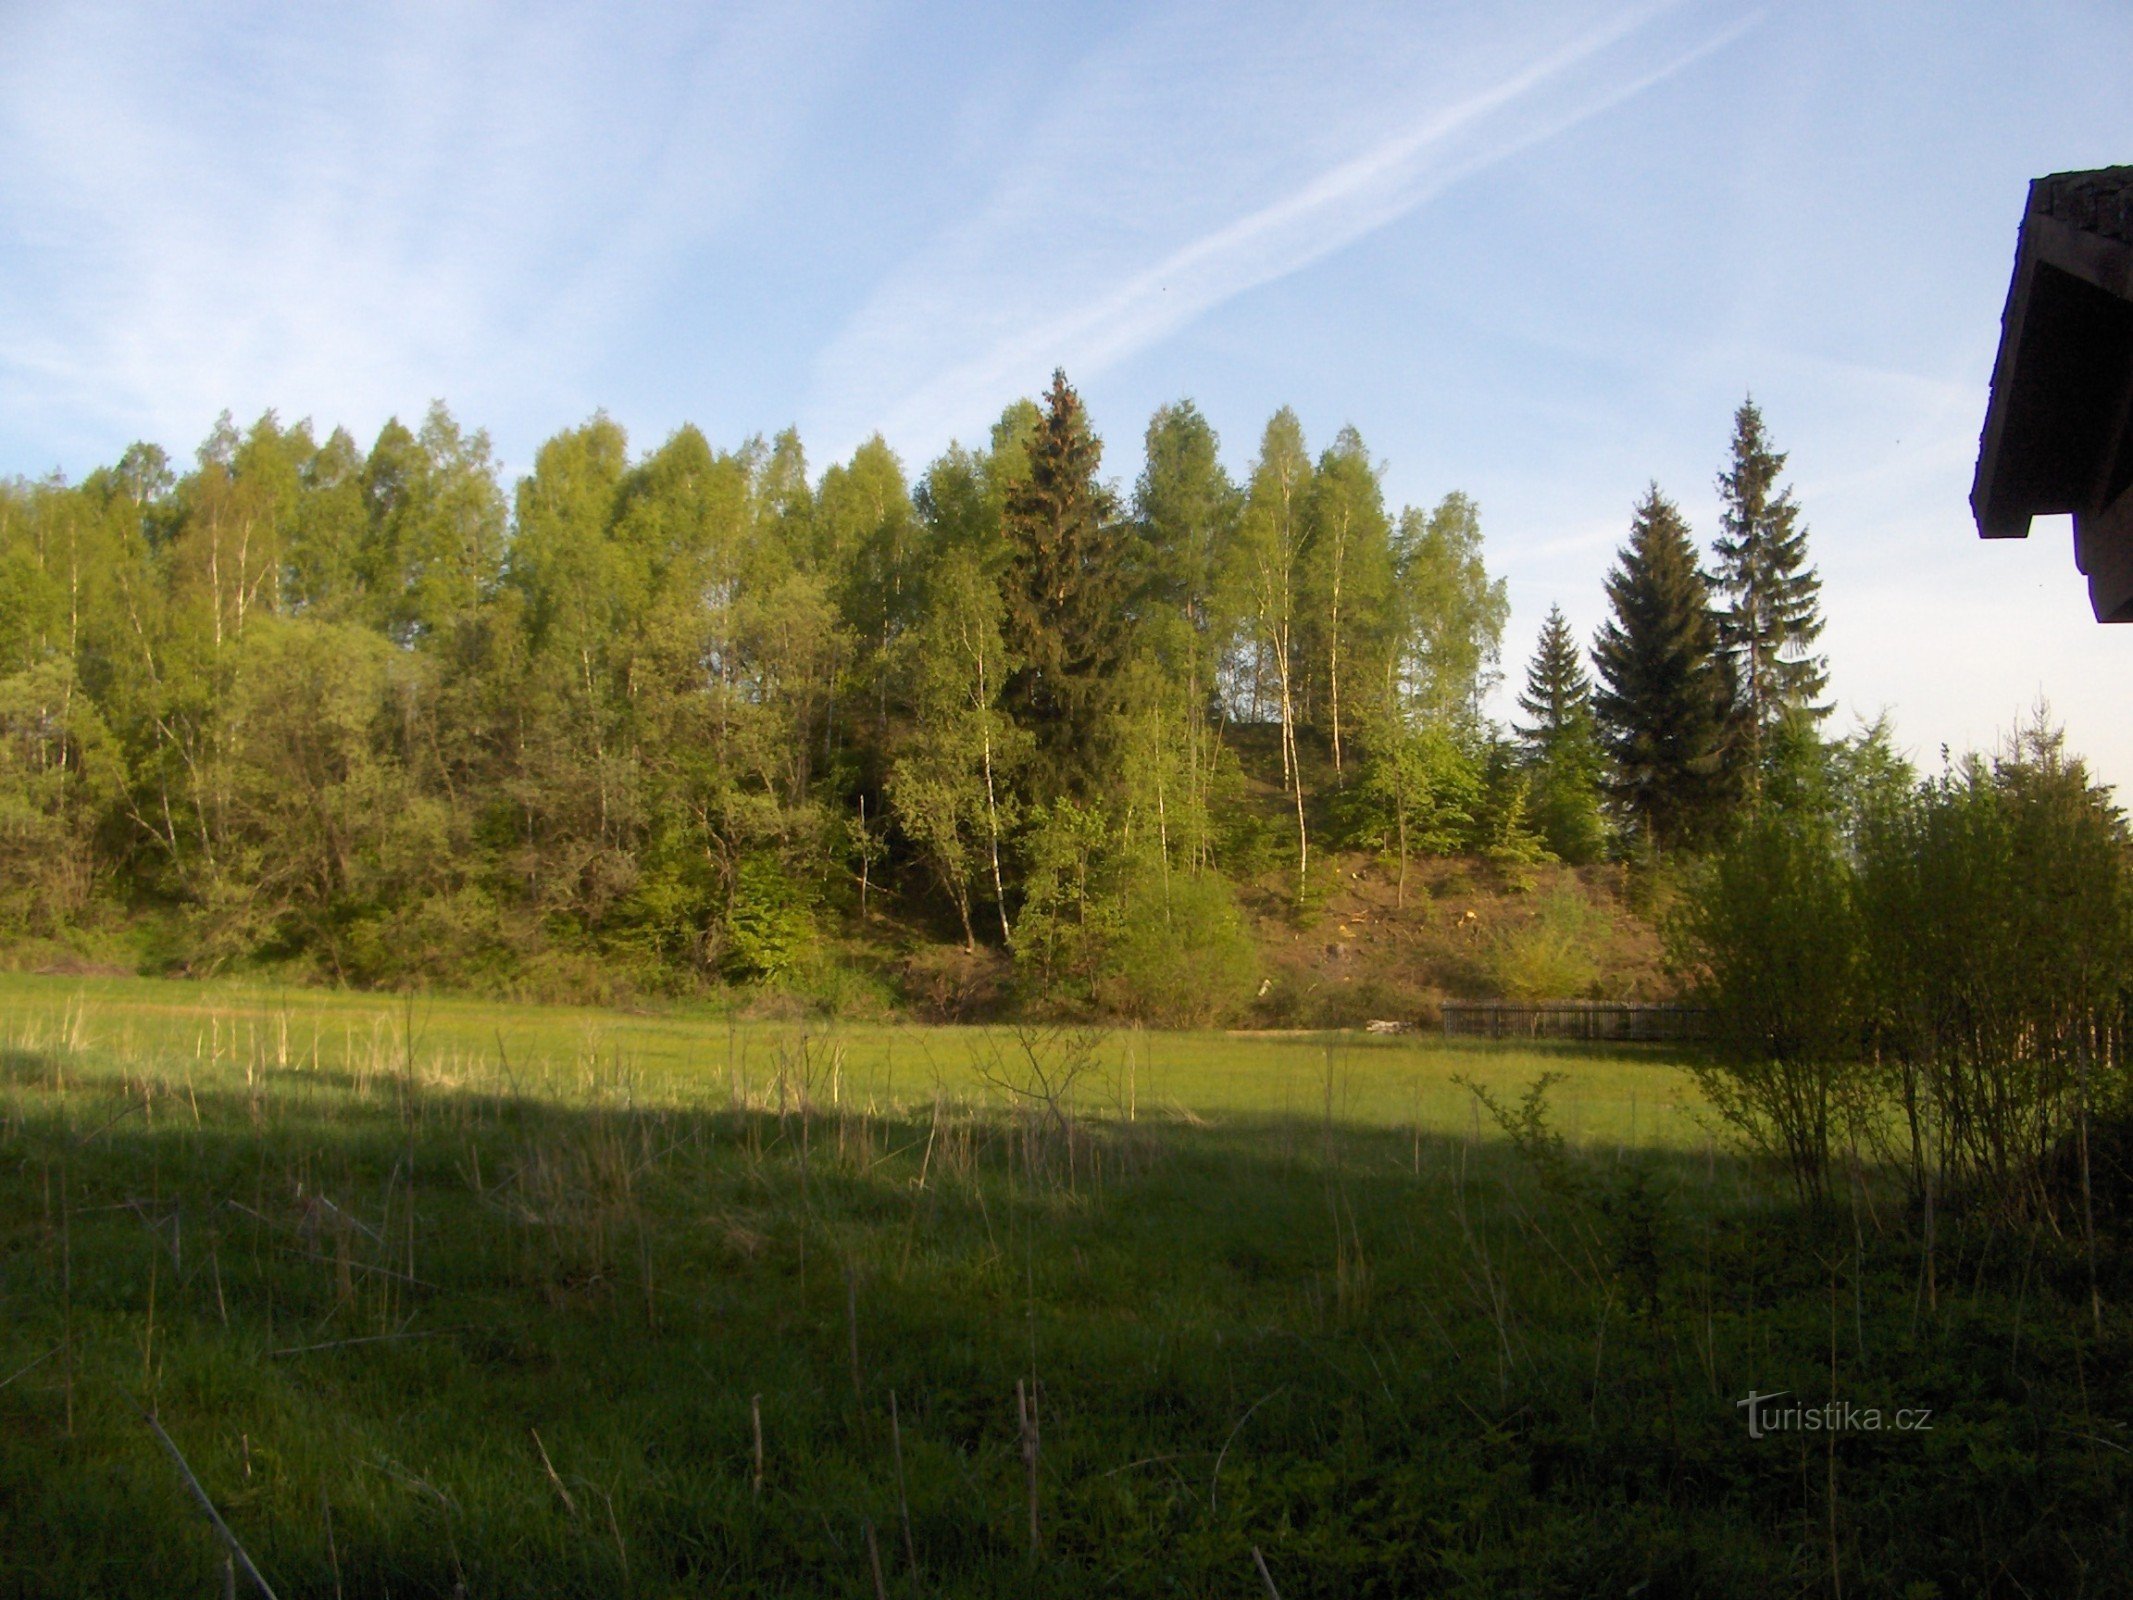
1340	549
1292	765
992	805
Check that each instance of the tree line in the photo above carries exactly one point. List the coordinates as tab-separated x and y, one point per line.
366	712
649	722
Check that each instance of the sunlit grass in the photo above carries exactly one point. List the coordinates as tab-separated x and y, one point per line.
442	1296
583	1056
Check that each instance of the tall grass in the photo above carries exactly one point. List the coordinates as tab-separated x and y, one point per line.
444	1297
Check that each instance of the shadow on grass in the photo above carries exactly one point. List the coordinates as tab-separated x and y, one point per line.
415	1339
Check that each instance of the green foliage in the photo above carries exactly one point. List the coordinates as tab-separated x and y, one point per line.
1561	747
1187	508
1773	615
1869	781
434	547
1552	955
1455	612
1243	841
661	923
1180	956
1068	913
1770	936
364	716
1350	636
1997	910
1664	702
60	772
953	788
1504	834
1066	589
1420	792
770	929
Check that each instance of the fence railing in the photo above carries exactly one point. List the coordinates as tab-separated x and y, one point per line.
1627	1020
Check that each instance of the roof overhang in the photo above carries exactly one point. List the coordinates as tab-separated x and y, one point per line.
2058	435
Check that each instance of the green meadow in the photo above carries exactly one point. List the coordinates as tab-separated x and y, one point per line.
432	1296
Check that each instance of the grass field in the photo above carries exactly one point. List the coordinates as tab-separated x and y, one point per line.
680	1061
439	1296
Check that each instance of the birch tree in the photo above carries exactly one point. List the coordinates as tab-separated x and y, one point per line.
1272	542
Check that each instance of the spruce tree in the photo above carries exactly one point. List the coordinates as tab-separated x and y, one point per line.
1561	745
1664	698
1065	590
1772	614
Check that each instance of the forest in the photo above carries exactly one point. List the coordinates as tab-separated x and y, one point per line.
692	720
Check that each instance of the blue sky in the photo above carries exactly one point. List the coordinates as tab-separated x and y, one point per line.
1537	252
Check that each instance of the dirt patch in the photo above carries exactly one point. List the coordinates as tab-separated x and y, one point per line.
1371	951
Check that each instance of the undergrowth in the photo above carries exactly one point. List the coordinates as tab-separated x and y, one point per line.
420	1328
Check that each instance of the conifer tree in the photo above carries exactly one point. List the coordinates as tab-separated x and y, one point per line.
1772	614
1065	590
1664	697
1562	751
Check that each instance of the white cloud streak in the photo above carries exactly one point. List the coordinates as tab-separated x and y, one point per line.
348	212
980	316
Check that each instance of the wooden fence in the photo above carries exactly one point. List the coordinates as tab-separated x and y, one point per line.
1575	1019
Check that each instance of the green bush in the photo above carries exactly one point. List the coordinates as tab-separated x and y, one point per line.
1998	919
1181	957
1555	955
1769	934
770	926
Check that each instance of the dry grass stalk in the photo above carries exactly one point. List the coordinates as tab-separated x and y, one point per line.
1214	1483
903	1498
881	1589
368	1338
1026	1412
755	1417
207	1506
333	1554
549	1467
851	1322
31	1366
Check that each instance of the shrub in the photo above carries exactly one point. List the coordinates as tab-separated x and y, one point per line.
1553	956
770	929
1770	936
1181	957
2000	937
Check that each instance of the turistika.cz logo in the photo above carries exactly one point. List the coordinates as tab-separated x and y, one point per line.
1831	1416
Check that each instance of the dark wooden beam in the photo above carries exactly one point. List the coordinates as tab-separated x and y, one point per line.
2103	549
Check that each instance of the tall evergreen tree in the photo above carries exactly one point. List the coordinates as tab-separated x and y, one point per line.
1065	589
1561	745
1664	698
1772	614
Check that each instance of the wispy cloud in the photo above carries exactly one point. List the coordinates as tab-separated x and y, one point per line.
350	211
1083	261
